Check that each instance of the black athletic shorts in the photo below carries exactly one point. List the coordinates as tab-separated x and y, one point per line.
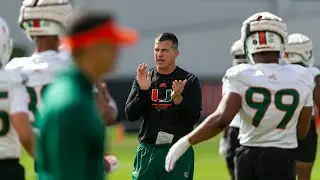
307	147
11	169
232	145
258	163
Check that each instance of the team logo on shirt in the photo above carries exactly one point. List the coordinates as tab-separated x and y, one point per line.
155	96
161	97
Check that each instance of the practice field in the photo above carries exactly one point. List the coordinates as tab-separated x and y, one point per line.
209	164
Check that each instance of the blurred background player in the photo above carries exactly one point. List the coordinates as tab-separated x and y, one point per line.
105	101
71	137
299	51
269	103
15	124
229	141
43	22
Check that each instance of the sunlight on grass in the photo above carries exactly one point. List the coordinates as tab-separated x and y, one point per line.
209	164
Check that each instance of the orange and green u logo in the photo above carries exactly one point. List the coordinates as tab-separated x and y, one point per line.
155	96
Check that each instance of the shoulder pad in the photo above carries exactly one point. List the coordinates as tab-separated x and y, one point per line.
304	74
297	68
315	71
16	63
235	71
11	77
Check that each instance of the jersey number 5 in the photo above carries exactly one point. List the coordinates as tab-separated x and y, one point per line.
263	106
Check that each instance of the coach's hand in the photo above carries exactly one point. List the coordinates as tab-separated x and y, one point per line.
175	152
143	77
177	87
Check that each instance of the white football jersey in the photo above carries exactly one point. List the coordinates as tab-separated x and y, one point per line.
12	92
272	97
315	72
236	121
41	69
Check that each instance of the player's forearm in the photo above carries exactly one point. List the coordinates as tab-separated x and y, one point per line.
28	142
28	145
304	122
22	125
302	131
209	128
316	93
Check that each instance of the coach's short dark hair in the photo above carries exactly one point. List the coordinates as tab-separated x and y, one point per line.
83	20
167	36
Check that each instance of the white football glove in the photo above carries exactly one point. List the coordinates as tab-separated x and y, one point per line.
175	152
223	145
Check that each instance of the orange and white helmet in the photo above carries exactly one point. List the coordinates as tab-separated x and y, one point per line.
299	50
44	17
6	43
236	50
262	32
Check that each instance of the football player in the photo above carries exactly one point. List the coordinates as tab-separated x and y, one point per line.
15	124
299	51
274	103
229	141
105	102
43	22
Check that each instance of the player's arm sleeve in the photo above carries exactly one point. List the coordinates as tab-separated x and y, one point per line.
191	105
72	144
137	102
19	99
230	84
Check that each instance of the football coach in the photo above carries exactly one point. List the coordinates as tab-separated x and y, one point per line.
168	100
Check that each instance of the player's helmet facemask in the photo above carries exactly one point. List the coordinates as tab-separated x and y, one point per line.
237	51
299	50
264	32
44	18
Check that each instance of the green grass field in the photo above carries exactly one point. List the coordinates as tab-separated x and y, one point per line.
209	164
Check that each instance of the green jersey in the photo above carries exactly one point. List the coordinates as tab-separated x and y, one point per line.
70	143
